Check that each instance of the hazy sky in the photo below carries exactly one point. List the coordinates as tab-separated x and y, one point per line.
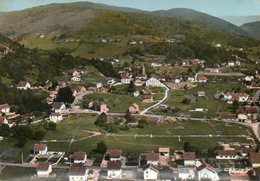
213	7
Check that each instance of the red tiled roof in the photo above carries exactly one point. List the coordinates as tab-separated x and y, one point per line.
4	106
43	166
77	170
39	147
114	165
227	152
189	156
254	157
79	155
114	153
152	156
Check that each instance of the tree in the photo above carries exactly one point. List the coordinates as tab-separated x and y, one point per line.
129	118
142	123
5	130
38	134
101	120
188	147
235	106
52	126
131	87
23	134
101	147
186	101
65	95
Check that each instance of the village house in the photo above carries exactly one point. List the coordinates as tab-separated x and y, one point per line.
201	79
147	98
39	149
114	169
74	73
189	158
5	108
59	107
152	158
249	78
80	89
186	174
230	97
126	79
239	174
134	108
75	79
212	70
206	172
197	62
150	172
170	78
138	82
153	82
246	150
78	172
44	169
3	120
228	117
231	63
23	85
246	114
201	94
164	152
114	154
228	155
79	157
96	106
156	64
136	93
191	79
56	117
254	159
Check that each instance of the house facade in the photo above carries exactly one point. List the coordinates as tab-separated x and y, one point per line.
5	108
150	172
206	172
189	158
44	169
153	82
56	117
40	149
78	172
80	157
114	169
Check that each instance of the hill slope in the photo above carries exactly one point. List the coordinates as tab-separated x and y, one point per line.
61	18
240	20
46	19
201	18
252	29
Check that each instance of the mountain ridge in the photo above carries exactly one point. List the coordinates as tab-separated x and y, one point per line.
72	16
201	18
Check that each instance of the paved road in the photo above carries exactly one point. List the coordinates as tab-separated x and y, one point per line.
177	136
166	94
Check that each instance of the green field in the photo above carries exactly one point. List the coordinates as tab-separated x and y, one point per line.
46	43
214	107
129	140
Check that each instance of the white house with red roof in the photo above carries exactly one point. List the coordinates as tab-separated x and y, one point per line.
207	172
40	149
5	108
44	169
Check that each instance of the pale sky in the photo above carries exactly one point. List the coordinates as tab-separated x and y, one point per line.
213	7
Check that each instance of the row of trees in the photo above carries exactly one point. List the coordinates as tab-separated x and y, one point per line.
22	134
